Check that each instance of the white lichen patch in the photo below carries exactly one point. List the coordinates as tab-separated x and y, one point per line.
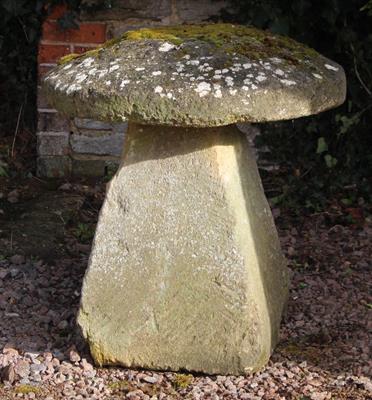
114	67
166	47
193	62
229	80
73	88
124	82
66	67
236	68
247	65
225	71
205	68
102	73
276	60
317	76
156	73
203	88
80	78
140	69
279	72
87	62
158	89
108	83
261	78
92	71
288	82
179	67
331	67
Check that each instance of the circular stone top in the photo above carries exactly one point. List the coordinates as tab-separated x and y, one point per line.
196	75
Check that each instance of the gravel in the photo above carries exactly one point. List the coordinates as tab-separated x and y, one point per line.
323	354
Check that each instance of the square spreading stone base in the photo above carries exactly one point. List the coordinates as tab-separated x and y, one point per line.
186	271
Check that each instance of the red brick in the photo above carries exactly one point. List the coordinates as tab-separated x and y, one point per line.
57	11
49	53
87	33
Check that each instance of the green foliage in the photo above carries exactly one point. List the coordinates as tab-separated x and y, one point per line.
3	168
84	232
328	154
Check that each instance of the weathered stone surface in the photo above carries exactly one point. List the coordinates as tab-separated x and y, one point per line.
52	121
197	75
110	144
186	270
54	166
53	143
85	123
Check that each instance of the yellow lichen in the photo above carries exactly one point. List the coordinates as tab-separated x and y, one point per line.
26	389
67	58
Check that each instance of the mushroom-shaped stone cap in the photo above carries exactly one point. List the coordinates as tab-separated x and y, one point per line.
196	75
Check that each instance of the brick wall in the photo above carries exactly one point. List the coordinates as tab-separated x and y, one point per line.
65	146
85	147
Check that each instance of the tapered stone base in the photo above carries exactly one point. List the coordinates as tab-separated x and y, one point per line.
186	270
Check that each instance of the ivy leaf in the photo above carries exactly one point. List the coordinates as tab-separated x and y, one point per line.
322	146
330	161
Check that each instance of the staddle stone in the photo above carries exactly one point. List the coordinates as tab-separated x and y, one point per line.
186	271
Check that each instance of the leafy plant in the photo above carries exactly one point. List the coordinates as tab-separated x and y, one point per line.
84	232
3	169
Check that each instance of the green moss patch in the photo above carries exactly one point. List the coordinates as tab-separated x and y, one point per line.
233	39
244	40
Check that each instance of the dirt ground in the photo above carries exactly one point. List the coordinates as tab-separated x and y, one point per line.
46	228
